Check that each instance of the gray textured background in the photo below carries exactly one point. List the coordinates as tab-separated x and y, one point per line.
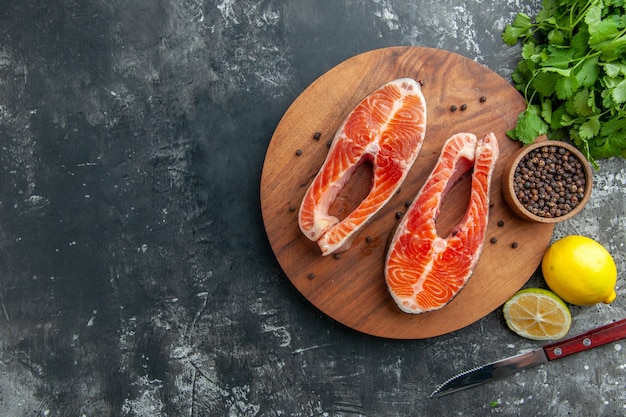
135	275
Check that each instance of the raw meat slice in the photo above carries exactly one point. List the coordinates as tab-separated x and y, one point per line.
424	271
387	129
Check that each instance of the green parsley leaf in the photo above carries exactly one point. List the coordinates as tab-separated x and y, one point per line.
520	27
556	37
545	82
614	127
610	147
559	57
530	125
580	103
613	69
546	111
565	87
590	128
556	122
532	53
619	92
587	73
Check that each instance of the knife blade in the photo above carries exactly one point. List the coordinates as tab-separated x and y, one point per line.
499	369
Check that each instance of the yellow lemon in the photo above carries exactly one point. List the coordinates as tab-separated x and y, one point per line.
537	314
580	271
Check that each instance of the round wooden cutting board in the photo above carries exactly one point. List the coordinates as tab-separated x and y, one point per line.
351	288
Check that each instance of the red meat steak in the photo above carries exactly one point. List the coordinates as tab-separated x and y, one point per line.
386	129
424	271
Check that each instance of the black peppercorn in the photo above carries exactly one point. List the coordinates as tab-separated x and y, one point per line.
549	181
317	136
453	108
463	106
299	152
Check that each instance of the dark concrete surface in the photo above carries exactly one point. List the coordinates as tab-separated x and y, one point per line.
135	275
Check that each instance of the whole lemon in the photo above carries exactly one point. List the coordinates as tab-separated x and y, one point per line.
580	271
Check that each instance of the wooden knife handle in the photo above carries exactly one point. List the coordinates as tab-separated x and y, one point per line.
588	340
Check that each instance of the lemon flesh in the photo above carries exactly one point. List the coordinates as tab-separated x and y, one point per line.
580	271
538	314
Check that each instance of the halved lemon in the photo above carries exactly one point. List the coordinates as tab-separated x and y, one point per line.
538	314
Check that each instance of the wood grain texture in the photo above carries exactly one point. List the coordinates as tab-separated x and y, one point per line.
352	289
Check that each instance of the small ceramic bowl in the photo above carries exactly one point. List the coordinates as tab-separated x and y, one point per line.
548	181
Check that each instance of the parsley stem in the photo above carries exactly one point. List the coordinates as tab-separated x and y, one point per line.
582	14
585	58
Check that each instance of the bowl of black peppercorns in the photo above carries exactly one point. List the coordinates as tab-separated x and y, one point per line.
548	181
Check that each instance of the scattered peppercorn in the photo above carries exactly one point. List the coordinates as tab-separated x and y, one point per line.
292	208
337	256
514	245
330	142
463	106
368	239
311	275
317	136
491	204
407	203
500	223
483	99
299	152
421	83
494	239
398	214
549	181
453	108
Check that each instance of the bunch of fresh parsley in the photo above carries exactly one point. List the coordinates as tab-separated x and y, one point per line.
573	75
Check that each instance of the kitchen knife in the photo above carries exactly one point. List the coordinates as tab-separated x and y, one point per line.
505	367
